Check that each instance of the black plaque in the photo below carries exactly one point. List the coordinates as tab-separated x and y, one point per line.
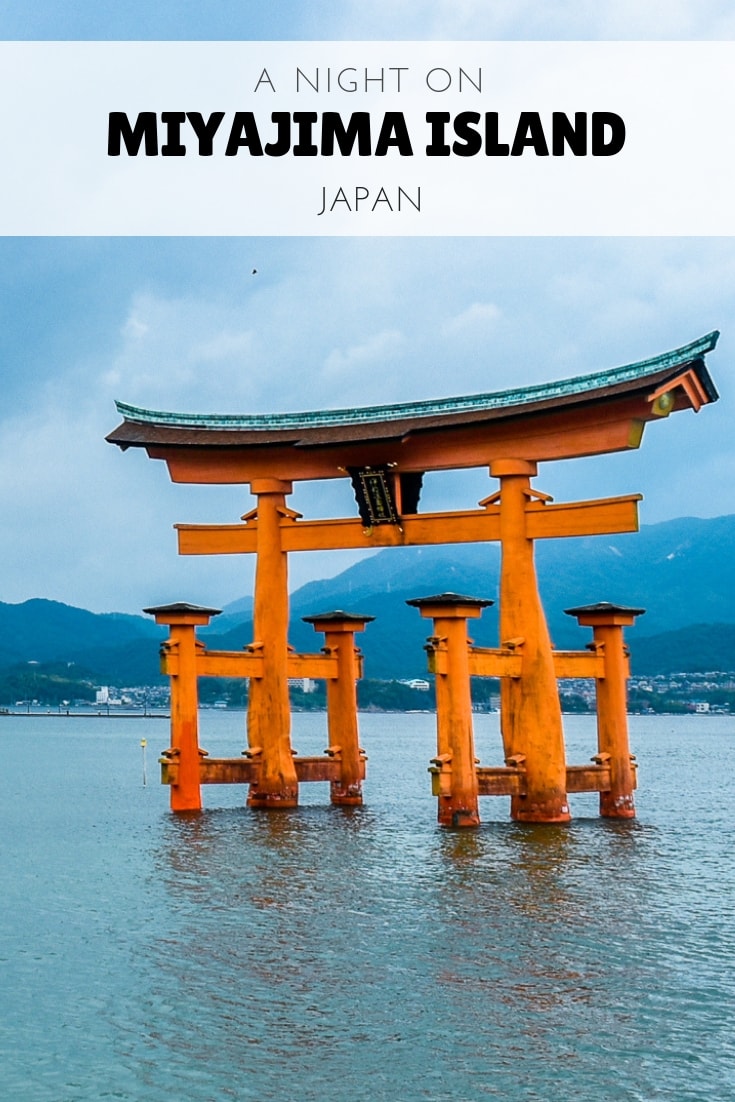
373	488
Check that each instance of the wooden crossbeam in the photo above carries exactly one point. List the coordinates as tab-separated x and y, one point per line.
601	517
578	663
500	780
243	664
496	662
247	770
588	778
581	518
503	780
216	663
483	662
317	666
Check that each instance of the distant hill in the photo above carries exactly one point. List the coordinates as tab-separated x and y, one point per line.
696	649
232	614
46	631
681	571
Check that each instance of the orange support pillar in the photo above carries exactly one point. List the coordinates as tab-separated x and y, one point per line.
530	709
339	629
607	622
269	710
182	620
455	736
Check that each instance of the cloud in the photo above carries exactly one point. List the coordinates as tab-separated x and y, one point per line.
526	19
334	322
347	367
383	19
135	329
183	349
479	316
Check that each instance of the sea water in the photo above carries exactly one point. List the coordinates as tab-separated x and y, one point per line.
361	954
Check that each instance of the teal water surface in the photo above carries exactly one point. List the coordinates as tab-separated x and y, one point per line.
361	954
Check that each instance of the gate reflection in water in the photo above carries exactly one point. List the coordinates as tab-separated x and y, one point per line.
362	953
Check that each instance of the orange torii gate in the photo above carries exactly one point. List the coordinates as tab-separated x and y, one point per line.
386	451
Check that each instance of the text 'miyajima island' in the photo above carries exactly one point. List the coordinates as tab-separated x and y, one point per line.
386	452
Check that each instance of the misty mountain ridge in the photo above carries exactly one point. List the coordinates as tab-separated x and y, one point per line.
681	571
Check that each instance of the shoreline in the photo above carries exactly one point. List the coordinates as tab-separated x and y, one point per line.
86	715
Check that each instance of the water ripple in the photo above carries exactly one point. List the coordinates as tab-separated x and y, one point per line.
365	953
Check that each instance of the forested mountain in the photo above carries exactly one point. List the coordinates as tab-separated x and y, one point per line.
681	571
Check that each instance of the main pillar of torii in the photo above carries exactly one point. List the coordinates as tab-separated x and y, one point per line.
386	451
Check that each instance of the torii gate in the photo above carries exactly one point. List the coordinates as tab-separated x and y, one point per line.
386	451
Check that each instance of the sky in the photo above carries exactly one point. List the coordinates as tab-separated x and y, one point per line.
183	324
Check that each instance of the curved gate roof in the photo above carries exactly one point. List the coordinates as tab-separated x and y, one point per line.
440	433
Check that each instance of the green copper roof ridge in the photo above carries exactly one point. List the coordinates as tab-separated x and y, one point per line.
578	384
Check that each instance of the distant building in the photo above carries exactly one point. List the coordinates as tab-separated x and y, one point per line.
103	696
306	684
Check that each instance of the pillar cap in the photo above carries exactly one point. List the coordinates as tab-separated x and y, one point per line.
450	606
449	599
181	612
337	616
271	486
499	468
604	612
